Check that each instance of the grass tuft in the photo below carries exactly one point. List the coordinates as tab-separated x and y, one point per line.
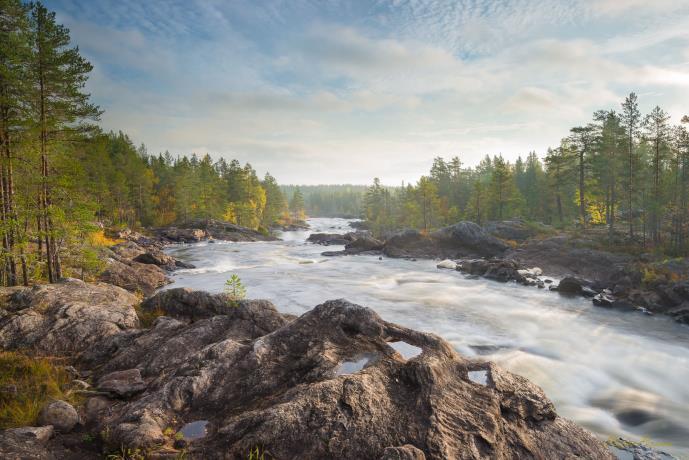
26	385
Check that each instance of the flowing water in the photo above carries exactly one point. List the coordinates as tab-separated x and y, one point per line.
618	374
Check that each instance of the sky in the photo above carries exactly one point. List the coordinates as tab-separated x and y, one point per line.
329	91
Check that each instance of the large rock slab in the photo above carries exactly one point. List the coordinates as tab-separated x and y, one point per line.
201	229
134	276
462	239
65	318
329	385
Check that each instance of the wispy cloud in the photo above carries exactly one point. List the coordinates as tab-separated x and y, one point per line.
365	88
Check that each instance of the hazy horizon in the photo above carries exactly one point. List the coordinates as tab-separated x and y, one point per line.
345	91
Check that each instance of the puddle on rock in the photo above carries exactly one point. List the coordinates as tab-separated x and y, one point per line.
407	351
350	367
480	377
194	430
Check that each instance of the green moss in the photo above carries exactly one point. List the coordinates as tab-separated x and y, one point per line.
27	385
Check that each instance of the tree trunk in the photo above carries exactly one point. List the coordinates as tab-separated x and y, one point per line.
582	199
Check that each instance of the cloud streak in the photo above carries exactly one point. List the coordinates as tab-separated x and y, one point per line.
342	91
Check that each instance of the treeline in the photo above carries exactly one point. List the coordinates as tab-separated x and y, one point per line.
61	178
329	200
624	170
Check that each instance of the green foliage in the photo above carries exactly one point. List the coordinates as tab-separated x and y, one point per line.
27	385
258	453
127	453
234	290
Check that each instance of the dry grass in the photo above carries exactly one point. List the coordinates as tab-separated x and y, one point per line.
98	239
26	385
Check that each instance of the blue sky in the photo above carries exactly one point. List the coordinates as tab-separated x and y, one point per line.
331	91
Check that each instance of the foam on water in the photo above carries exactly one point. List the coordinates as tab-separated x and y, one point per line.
578	353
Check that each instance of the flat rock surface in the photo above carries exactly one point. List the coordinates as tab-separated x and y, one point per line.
65	318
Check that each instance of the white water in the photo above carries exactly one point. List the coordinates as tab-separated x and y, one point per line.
618	374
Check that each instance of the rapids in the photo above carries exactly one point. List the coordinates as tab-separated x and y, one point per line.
618	374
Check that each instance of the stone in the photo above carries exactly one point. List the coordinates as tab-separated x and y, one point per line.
66	318
123	384
571	285
134	276
60	414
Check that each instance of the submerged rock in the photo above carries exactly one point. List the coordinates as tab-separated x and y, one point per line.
260	380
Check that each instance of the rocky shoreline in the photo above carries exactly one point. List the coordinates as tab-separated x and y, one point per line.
611	280
206	380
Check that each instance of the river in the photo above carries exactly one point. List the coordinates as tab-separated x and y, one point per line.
618	374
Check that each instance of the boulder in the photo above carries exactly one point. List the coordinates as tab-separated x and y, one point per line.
331	375
66	318
409	244
456	241
360	243
470	238
59	414
515	230
127	250
475	266
571	285
134	276
363	243
123	384
182	235
328	239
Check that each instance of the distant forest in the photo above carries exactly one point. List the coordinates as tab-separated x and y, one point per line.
329	200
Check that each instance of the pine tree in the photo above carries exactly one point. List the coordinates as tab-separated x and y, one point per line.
60	110
657	132
296	205
631	118
14	92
